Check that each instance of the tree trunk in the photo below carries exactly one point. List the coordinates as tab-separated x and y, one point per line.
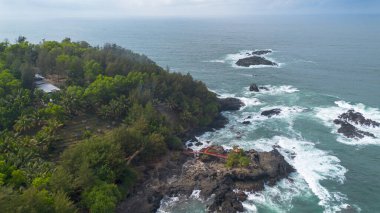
130	159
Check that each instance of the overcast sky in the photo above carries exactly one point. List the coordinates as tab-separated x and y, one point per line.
191	8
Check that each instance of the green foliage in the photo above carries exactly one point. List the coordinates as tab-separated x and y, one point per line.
102	198
91	70
18	178
94	159
41	182
237	158
53	112
174	143
62	180
13	99
152	106
116	109
47	135
33	200
72	100
27	76
63	204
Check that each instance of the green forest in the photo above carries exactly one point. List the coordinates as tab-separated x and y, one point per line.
136	112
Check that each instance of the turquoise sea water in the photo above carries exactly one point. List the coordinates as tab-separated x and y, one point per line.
328	64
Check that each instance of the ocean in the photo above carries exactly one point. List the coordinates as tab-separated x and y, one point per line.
327	65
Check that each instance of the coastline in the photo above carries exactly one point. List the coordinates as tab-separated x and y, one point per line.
178	173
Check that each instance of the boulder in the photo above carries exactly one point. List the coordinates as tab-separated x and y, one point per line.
230	104
198	143
254	88
271	112
255	60
241	196
246	122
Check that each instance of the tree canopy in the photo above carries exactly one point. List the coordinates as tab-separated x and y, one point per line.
149	109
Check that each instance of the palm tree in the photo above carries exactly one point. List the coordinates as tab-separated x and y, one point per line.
23	124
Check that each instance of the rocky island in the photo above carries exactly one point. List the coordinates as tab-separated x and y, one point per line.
256	58
349	130
254	61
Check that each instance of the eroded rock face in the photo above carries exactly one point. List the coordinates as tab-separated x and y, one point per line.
349	130
357	118
271	112
261	52
230	104
254	61
255	88
212	177
180	175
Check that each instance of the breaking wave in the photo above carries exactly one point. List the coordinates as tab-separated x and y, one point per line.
328	114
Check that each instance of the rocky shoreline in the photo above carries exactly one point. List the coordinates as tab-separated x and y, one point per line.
180	173
256	58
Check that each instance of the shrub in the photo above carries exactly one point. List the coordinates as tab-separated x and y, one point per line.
237	158
174	143
102	198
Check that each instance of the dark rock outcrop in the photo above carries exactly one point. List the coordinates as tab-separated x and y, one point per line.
263	88
241	196
147	194
230	104
210	175
255	60
246	122
271	112
350	131
180	174
254	88
357	118
261	52
198	143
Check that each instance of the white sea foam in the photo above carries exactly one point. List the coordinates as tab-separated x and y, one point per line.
166	203
312	165
216	61
286	112
276	90
196	195
233	58
248	101
172	204
329	114
278	198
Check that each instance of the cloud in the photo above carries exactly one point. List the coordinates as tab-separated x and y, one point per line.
123	8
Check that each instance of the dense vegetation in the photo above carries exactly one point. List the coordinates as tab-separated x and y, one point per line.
151	108
237	158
